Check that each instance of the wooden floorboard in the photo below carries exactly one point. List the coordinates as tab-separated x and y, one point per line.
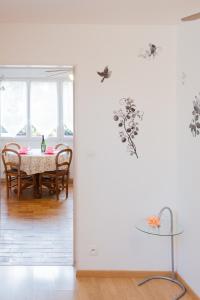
59	283
40	232
36	231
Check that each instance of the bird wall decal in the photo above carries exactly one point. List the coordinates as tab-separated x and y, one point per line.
153	49
151	52
105	74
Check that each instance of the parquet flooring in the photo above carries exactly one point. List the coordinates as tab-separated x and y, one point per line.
60	283
36	231
39	232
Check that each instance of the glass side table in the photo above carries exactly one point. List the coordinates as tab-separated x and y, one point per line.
169	230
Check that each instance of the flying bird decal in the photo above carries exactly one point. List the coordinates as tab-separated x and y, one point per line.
105	74
151	52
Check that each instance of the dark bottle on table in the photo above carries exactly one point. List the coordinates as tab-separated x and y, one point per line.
43	144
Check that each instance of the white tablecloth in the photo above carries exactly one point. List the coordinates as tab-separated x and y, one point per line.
37	162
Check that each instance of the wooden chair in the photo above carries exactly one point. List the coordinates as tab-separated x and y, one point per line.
61	146
13	146
15	178
59	179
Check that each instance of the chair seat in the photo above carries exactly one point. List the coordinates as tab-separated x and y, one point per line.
15	171
53	173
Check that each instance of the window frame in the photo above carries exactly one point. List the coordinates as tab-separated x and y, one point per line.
60	124
62	106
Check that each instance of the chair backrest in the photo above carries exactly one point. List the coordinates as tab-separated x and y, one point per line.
61	146
64	162
11	162
12	145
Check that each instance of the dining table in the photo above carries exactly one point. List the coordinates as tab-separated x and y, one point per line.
35	162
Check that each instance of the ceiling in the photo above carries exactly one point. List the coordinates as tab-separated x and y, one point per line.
136	12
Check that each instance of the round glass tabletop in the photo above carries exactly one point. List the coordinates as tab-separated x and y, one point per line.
163	230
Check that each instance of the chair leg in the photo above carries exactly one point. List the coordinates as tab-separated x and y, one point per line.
67	184
18	188
57	189
63	182
7	186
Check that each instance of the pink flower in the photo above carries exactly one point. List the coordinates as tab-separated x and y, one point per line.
153	221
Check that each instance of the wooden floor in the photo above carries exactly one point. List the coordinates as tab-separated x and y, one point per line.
36	231
59	283
39	232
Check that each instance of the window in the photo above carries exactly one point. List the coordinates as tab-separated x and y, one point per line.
43	108
13	109
31	108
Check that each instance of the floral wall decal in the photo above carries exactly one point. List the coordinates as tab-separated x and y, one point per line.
195	123
105	74
151	52
128	121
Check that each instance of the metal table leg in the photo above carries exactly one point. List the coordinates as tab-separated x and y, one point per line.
169	279
173	274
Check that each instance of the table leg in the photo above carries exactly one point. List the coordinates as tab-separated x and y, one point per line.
169	279
37	193
173	274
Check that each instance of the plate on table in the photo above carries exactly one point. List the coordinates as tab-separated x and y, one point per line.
49	153
23	151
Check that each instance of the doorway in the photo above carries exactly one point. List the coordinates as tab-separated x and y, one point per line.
36	101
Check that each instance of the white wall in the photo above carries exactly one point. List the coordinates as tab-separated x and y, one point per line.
189	154
113	190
